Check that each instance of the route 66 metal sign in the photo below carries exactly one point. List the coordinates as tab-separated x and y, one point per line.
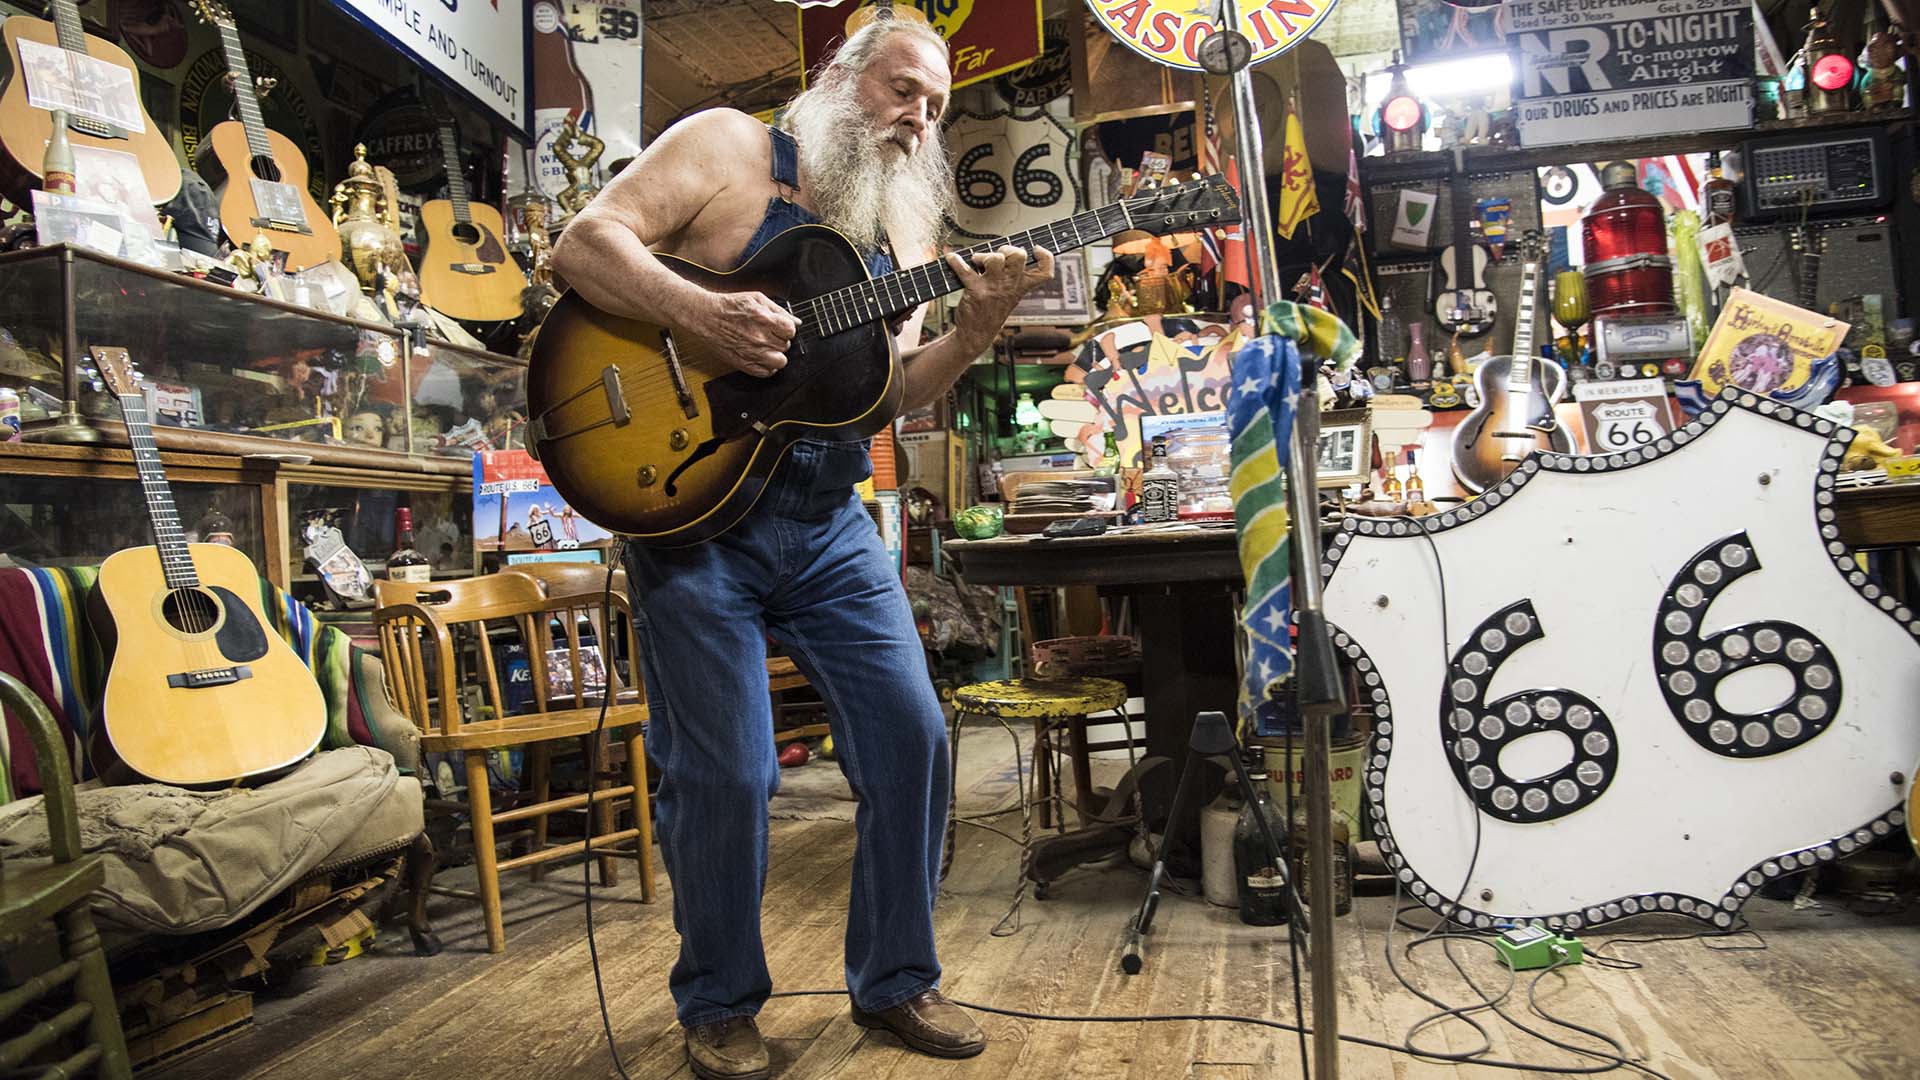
1644	681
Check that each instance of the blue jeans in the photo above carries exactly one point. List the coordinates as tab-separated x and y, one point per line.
807	568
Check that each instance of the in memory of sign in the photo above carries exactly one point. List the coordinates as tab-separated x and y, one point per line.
479	46
1600	69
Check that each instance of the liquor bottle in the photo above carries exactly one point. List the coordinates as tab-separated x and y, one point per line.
1262	885
1160	486
56	168
1392	333
1419	364
406	564
1716	194
1416	492
1297	839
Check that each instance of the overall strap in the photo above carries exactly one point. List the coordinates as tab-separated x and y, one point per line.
786	159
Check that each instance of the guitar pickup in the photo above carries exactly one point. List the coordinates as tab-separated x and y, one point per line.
206	677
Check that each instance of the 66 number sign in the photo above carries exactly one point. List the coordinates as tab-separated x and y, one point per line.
1623	415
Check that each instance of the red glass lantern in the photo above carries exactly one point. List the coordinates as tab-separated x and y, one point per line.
1624	239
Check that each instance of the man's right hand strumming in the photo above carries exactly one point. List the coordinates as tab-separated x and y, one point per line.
744	329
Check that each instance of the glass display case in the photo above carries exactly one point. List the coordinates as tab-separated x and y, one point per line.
79	520
219	362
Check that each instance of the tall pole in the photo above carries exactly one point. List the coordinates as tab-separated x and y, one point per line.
1315	675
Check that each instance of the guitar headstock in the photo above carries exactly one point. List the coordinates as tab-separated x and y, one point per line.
116	369
1532	246
214	12
1204	202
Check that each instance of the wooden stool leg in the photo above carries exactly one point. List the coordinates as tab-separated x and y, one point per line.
601	819
1082	766
485	860
642	810
540	765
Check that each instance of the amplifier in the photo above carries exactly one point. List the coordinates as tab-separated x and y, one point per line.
1787	175
1857	258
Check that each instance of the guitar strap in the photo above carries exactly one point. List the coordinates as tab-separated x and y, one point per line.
786	163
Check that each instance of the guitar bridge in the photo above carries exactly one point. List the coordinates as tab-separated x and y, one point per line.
206	677
679	377
99	129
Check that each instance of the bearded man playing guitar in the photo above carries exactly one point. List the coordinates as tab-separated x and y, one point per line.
859	151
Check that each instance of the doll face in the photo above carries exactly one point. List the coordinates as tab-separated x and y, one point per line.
366	429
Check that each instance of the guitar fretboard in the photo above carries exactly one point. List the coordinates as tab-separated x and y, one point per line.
456	179
176	562
247	102
66	24
903	290
1521	370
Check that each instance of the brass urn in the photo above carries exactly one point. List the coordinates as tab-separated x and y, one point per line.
368	223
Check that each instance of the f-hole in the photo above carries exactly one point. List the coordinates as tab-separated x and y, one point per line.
190	611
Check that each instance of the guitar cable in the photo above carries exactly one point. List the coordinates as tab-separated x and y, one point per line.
1607	1062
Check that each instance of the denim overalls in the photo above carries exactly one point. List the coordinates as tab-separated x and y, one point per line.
807	568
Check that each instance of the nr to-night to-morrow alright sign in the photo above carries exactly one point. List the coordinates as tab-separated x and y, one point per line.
1170	31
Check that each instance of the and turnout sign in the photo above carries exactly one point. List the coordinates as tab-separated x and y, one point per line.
1599	69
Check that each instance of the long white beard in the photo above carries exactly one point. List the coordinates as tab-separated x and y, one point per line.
860	181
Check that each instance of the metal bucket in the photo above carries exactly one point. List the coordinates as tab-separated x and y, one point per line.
1347	758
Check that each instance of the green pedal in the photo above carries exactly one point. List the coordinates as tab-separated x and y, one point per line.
1528	947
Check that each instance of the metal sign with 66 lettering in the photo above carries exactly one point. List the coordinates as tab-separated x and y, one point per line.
1649	680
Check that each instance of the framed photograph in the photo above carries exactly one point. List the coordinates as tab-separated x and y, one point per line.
1346	447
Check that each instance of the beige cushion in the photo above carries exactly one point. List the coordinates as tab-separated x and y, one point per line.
182	862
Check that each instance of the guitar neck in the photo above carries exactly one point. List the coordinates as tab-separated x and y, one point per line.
66	23
903	290
246	101
1521	369
175	560
456	179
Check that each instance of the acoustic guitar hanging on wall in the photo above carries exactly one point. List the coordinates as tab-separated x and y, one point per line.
56	51
260	173
466	271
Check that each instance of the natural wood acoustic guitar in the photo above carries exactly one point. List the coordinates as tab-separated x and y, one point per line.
260	174
26	128
200	689
647	430
467	272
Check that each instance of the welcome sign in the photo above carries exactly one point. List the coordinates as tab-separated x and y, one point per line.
1170	31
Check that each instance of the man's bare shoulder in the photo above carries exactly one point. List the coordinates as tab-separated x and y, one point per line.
725	132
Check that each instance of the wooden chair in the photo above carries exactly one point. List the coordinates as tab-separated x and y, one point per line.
57	894
416	622
782	674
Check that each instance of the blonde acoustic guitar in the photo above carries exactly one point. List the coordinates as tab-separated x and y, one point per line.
25	128
467	272
260	174
200	689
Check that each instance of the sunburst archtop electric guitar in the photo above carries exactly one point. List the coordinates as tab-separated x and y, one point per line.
201	690
647	431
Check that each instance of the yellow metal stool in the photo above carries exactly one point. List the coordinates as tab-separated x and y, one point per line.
1048	702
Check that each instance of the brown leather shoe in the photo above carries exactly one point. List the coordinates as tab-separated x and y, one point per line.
930	1024
729	1049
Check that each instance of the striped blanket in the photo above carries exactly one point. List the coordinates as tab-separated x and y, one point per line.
47	643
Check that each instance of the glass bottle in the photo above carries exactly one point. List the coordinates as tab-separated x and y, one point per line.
406	564
1262	885
1297	838
1392	334
1419	364
1159	487
56	168
1716	194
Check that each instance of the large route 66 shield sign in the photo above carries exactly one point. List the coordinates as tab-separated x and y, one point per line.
1662	679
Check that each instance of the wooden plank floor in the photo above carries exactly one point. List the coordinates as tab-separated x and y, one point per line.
1833	995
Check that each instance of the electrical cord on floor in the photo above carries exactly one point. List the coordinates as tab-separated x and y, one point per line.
614	556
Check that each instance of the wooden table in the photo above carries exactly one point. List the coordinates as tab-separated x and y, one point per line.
1182	584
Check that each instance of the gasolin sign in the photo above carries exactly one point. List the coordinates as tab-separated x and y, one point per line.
1170	31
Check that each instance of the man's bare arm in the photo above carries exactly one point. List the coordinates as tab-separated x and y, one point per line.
604	254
